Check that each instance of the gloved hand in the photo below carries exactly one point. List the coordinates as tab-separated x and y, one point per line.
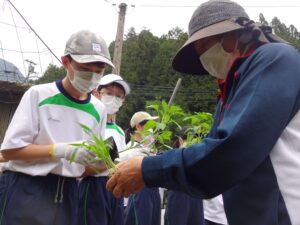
74	153
117	160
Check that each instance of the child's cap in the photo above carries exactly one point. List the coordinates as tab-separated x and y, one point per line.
87	47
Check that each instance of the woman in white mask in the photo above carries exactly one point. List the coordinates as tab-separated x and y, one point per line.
94	198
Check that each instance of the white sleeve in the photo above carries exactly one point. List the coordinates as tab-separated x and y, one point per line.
24	126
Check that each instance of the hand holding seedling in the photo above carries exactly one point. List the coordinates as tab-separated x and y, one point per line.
127	178
77	154
92	170
96	154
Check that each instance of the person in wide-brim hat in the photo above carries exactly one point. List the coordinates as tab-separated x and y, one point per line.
214	18
251	154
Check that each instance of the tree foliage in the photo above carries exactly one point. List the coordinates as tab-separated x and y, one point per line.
289	34
52	73
146	65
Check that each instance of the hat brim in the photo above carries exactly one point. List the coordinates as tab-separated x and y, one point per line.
153	118
187	60
121	82
147	119
91	59
124	85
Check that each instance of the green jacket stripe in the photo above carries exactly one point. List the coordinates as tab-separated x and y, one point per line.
60	99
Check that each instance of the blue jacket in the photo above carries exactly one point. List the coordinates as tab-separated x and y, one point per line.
252	154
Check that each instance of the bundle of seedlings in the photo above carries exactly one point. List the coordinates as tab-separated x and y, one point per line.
104	149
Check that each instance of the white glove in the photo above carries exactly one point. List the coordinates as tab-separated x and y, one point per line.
141	151
117	160
75	153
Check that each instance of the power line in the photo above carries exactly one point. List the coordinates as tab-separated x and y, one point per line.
195	6
167	88
198	94
167	6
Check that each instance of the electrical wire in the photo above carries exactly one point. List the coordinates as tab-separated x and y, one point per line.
170	89
195	6
188	95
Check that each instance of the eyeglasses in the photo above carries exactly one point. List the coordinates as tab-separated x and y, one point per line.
112	94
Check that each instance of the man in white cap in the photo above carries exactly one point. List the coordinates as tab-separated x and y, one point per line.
252	153
97	206
39	183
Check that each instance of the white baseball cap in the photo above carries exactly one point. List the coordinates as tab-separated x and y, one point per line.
87	47
141	116
114	78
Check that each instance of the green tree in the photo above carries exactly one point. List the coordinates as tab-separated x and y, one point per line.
146	65
289	34
262	19
51	74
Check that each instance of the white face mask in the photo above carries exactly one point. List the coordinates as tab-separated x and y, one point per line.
112	103
85	81
217	61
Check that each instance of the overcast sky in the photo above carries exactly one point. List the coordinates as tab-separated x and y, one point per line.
56	20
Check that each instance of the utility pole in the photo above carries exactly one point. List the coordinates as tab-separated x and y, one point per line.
119	39
174	92
31	67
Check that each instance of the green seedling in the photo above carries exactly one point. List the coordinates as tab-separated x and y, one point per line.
99	146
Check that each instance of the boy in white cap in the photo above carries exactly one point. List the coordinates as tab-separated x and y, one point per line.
251	154
39	183
137	122
112	91
98	206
